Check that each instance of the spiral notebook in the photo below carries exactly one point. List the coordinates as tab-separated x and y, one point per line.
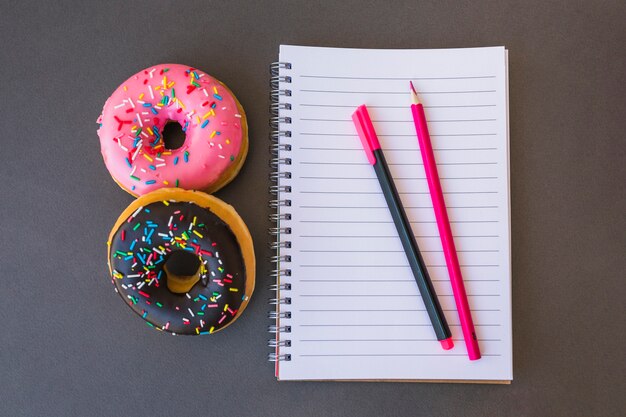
347	306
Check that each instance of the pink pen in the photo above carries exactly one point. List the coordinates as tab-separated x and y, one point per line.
443	224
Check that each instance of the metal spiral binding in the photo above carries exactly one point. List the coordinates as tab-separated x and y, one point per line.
275	108
277	287
277	301
283	258
275	189
275	148
280	231
275	217
276	176
278	329
278	203
276	343
276	245
281	272
273	357
275	162
279	189
273	315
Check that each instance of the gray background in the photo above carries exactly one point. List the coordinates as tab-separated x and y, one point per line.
69	346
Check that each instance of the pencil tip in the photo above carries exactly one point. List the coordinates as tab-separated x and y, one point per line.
414	93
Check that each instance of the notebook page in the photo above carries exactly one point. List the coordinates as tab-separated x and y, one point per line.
356	310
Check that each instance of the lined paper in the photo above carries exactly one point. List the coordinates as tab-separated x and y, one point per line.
356	310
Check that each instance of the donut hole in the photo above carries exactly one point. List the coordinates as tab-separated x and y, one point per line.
182	269
173	135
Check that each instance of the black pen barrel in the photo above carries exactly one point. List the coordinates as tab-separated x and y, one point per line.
429	296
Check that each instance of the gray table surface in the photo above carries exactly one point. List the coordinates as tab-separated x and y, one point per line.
69	346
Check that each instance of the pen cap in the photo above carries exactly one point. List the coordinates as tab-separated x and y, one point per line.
367	134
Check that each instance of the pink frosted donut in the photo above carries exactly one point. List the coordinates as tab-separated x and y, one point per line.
132	122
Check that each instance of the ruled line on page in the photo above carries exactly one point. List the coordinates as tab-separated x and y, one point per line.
396	135
390	295
404	107
398	178
390	354
388	325
399	121
416	150
309	177
390	340
465	77
404	93
393	251
390	237
392	310
403	193
385	280
393	266
394	164
387	208
390	221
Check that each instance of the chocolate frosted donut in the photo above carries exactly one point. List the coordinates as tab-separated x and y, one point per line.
183	261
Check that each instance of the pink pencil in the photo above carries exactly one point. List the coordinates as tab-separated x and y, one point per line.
443	224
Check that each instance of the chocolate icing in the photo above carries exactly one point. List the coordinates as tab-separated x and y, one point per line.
158	230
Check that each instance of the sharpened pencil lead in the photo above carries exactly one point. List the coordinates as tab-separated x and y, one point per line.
416	100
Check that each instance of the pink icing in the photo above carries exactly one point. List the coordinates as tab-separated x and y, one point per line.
134	116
